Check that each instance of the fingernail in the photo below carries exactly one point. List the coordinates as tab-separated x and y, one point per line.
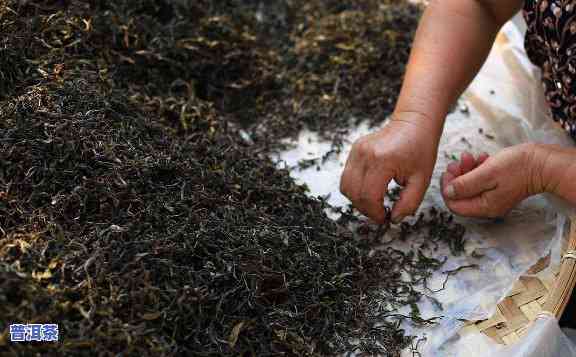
450	192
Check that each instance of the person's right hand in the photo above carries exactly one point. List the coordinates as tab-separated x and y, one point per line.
404	150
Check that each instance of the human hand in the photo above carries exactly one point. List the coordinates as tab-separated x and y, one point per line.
404	150
491	186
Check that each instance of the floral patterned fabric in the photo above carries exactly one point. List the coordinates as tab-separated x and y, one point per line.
551	45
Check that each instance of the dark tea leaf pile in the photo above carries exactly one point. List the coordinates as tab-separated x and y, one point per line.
138	207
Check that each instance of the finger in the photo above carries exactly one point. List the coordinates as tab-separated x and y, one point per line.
446	178
477	206
410	199
467	162
454	168
481	206
482	157
471	184
352	176
371	200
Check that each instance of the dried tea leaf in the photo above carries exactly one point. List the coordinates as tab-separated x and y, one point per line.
134	143
233	338
152	316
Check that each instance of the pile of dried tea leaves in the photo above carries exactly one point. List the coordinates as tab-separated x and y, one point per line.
138	208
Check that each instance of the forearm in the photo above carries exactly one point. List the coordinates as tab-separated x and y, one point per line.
452	42
554	171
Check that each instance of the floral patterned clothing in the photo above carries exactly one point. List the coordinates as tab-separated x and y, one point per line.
551	45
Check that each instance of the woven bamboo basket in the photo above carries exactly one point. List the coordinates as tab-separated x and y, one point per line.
531	297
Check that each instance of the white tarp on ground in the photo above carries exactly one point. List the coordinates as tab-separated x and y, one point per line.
506	102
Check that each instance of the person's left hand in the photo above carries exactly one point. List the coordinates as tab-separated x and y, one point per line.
490	186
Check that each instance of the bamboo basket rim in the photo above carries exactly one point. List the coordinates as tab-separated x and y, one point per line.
531	297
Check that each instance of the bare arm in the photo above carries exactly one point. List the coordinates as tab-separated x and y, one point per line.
554	171
452	42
